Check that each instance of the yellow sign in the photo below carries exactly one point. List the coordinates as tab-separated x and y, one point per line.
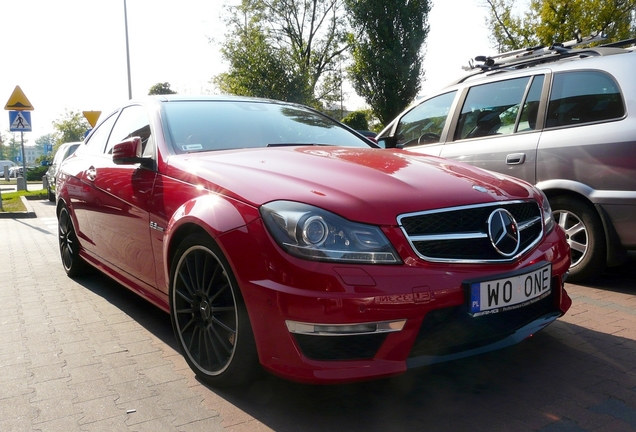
18	101
92	116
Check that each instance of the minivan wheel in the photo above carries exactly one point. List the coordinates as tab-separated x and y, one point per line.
585	235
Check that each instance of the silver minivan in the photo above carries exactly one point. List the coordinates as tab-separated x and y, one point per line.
563	119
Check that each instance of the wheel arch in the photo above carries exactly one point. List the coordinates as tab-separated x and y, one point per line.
552	188
209	215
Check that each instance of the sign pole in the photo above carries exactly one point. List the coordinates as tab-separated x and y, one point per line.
24	170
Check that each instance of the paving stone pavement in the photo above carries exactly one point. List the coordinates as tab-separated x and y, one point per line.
72	361
88	355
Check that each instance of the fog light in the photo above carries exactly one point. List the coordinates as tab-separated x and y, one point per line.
344	329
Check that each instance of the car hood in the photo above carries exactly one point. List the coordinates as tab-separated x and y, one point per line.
367	185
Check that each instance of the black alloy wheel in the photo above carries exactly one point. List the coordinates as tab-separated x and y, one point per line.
208	315
73	264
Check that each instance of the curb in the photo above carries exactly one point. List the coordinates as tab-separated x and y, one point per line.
29	213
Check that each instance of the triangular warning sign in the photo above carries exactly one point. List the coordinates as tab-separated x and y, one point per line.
18	101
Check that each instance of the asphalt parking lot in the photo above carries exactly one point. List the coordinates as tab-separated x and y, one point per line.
87	354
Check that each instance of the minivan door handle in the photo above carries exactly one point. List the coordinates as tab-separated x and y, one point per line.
515	158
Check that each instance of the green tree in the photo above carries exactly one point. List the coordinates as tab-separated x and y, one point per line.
41	143
256	67
161	89
546	22
44	140
12	148
3	150
285	49
71	127
386	48
357	120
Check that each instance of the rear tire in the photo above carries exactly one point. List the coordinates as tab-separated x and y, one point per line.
585	235
73	264
209	317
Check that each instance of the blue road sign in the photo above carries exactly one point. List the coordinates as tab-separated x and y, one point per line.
19	121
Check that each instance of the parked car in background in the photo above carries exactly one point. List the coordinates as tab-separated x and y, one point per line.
369	134
6	163
558	117
63	152
16	171
273	234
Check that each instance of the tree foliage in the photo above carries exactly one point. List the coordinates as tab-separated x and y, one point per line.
256	67
546	22
386	49
44	140
285	49
161	89
357	120
40	143
11	148
71	127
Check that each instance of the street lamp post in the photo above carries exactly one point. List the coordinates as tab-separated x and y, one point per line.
127	51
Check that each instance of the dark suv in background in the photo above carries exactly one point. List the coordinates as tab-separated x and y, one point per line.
558	117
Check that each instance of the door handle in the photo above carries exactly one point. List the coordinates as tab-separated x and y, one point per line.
91	173
515	158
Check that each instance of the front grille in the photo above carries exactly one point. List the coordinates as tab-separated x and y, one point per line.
453	330
354	347
460	234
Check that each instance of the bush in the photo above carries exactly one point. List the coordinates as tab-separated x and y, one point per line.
35	174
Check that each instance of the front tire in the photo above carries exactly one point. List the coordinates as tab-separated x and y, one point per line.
208	315
585	235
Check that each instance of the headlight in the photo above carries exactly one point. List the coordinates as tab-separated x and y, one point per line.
548	217
312	233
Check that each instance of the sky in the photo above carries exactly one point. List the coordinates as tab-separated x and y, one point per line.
70	55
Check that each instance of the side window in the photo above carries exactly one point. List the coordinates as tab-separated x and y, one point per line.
424	123
132	122
491	109
97	140
528	117
583	97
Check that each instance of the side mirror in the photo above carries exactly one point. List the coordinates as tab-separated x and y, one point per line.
128	152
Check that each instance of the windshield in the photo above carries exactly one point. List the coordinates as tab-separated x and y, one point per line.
197	126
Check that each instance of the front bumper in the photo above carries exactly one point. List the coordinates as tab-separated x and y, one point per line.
328	323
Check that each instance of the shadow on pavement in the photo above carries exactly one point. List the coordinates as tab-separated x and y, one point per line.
566	377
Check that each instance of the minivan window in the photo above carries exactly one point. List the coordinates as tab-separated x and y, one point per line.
583	97
528	117
424	123
491	109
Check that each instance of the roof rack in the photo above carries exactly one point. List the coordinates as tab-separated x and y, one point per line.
528	56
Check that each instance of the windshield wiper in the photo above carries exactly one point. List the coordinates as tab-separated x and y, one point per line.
296	144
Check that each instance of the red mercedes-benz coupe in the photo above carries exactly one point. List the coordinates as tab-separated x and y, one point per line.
275	236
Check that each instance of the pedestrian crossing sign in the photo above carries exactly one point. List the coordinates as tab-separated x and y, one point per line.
19	121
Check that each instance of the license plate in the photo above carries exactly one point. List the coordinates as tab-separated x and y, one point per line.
508	293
